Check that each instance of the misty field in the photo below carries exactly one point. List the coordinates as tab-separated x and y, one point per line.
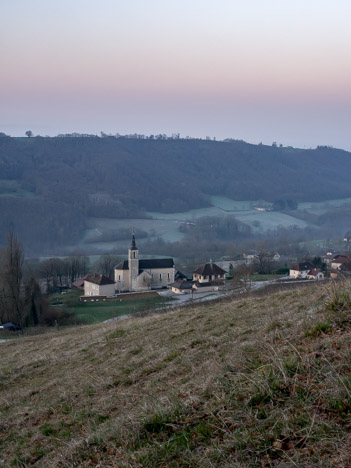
12	188
166	225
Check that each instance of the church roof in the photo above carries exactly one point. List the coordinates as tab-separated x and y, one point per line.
122	266
156	263
148	264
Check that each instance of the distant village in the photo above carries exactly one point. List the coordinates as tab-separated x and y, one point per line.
136	275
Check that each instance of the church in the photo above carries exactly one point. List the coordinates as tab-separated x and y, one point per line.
142	275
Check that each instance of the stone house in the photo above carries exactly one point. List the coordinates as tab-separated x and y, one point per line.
98	285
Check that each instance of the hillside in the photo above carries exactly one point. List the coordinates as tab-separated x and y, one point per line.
262	380
50	187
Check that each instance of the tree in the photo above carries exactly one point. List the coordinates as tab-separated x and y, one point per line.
29	133
264	260
106	265
242	274
11	279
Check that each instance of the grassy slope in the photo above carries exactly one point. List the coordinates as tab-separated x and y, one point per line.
258	381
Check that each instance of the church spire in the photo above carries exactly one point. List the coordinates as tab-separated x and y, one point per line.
133	247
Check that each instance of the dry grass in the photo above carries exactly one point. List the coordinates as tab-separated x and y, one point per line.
259	381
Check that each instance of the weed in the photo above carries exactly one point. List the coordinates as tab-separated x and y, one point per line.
116	334
318	329
136	351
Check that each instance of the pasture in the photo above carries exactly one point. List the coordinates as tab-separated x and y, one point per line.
95	312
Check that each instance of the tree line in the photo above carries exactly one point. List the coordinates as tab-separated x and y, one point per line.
67	180
24	285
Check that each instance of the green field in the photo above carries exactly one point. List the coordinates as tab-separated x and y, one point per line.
166	225
94	312
12	188
259	277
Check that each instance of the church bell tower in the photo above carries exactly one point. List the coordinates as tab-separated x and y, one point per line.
133	265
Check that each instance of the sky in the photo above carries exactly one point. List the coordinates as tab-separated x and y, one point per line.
258	70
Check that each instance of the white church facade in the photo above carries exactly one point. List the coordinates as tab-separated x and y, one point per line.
142	275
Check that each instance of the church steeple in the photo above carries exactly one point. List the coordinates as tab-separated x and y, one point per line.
133	264
133	247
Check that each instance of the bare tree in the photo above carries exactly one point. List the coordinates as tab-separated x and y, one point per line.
11	279
264	261
106	265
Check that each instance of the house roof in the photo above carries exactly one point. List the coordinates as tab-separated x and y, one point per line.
148	264
314	272
79	283
182	284
209	269
179	275
99	279
302	266
341	259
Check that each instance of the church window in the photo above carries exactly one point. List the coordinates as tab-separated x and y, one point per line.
160	276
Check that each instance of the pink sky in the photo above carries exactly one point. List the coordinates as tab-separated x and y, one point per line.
259	70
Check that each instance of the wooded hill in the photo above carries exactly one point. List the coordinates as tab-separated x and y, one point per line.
49	186
252	381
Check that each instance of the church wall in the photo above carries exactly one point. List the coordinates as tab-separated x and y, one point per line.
161	277
122	280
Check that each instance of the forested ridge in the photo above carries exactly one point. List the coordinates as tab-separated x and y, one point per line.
65	180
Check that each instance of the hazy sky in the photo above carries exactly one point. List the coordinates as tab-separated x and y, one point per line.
258	70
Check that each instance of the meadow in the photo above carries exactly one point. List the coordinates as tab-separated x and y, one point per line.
95	312
166	225
257	380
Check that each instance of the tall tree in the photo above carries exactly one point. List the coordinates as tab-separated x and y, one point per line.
11	277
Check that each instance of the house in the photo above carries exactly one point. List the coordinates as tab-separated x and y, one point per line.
249	257
341	262
315	274
347	237
208	277
300	270
98	285
141	275
181	286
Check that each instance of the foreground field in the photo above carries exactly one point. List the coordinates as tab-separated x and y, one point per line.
263	380
95	312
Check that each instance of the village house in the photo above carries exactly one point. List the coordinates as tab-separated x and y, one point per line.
208	277
141	275
341	262
315	274
300	270
98	285
182	286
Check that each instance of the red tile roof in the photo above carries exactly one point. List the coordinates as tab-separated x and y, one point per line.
99	279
